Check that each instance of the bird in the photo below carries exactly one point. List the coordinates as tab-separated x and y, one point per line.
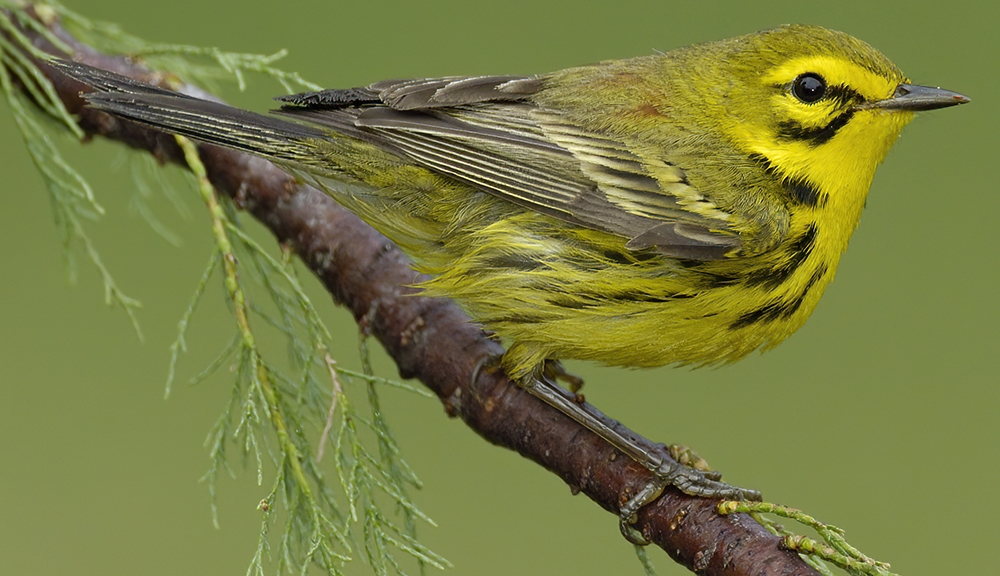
681	208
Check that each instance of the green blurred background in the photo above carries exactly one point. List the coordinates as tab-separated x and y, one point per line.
879	416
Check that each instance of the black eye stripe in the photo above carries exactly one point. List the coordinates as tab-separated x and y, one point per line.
843	94
843	97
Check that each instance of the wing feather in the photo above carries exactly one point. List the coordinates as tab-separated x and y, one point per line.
485	131
525	184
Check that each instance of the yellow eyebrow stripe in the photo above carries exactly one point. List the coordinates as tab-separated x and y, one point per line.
835	71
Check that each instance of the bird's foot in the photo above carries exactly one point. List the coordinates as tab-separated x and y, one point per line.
554	370
687	472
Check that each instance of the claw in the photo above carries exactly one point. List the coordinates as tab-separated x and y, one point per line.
486	362
686	479
665	469
554	370
628	514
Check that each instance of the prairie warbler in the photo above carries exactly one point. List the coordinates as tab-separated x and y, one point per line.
681	208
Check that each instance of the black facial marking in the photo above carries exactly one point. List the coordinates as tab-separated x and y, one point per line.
844	98
814	136
844	95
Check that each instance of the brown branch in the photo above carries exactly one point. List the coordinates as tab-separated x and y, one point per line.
434	341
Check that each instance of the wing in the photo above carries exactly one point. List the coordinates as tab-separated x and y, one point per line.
487	132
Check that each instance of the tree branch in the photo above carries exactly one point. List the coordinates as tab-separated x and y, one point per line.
434	341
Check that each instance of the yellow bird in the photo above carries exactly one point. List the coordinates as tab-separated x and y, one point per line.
680	208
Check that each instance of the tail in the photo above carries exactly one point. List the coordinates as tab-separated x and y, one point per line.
196	118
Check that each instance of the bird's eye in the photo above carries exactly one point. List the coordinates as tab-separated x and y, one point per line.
809	87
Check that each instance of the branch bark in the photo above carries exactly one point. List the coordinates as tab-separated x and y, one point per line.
434	341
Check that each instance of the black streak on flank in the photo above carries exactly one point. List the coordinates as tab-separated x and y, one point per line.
791	130
629	258
638	296
583	301
799	189
764	314
779	309
803	192
800	248
709	280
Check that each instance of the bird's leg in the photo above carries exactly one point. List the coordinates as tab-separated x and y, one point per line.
666	471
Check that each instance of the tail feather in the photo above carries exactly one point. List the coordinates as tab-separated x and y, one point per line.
196	118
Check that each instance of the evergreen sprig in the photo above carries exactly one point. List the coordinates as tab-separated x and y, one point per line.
319	511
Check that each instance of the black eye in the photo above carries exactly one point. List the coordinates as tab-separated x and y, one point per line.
809	87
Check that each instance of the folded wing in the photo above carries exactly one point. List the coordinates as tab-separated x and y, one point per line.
487	132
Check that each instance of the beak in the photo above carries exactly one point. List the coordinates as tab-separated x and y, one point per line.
916	98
